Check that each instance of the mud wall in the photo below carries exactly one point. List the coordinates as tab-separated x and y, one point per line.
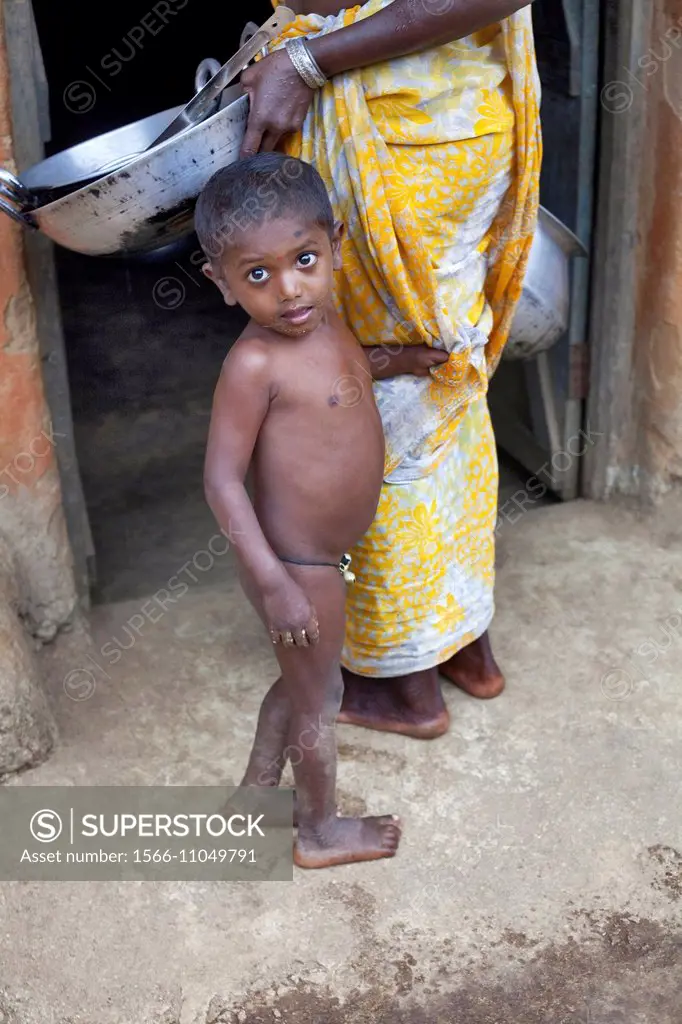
657	363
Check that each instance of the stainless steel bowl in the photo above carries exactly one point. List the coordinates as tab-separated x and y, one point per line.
542	313
144	204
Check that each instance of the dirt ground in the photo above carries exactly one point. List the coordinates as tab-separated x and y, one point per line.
540	876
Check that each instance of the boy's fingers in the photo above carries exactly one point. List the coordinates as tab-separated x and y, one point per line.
301	638
313	631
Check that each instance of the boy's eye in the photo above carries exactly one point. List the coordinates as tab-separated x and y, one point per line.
307	259
258	275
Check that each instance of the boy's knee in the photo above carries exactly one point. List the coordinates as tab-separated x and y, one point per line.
331	704
334	691
316	732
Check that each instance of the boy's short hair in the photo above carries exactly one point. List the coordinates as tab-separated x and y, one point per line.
246	193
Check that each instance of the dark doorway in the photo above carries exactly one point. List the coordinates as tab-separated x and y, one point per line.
145	339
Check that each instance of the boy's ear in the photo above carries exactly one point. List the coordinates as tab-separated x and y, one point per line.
218	280
339	231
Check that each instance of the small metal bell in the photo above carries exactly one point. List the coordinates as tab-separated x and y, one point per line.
344	569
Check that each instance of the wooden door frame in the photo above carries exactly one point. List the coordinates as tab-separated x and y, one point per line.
610	464
29	106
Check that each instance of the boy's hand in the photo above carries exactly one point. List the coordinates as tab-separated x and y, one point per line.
291	617
419	359
396	360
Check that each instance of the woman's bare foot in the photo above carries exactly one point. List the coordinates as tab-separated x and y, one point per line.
410	705
347	841
474	670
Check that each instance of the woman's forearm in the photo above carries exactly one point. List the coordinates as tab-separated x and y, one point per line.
406	26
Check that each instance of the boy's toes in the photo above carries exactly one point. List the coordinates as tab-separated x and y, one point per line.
391	832
347	841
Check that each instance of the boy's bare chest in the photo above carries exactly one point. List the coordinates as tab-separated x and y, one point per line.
322	382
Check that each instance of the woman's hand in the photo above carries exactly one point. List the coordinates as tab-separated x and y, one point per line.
279	100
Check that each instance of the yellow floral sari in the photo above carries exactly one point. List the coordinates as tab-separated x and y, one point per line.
432	161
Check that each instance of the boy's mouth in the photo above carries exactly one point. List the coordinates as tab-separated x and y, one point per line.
298	315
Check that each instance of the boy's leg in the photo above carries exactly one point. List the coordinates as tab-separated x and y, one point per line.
269	754
312	686
267	758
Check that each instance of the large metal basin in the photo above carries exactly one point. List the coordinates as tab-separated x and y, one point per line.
543	311
144	205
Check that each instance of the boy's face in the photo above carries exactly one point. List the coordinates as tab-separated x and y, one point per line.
281	273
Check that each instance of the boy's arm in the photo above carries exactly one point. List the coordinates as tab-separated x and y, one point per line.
240	405
395	360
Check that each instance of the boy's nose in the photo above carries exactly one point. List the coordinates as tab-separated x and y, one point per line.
289	286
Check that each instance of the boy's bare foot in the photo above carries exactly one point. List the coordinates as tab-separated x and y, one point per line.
410	705
474	670
347	841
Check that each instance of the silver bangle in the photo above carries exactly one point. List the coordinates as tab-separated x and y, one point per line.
305	63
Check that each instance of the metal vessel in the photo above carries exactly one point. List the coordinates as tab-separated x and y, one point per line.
146	203
132	191
542	314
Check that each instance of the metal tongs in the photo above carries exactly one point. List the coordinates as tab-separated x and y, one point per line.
199	107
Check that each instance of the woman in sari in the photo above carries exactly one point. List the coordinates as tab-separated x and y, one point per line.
422	116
